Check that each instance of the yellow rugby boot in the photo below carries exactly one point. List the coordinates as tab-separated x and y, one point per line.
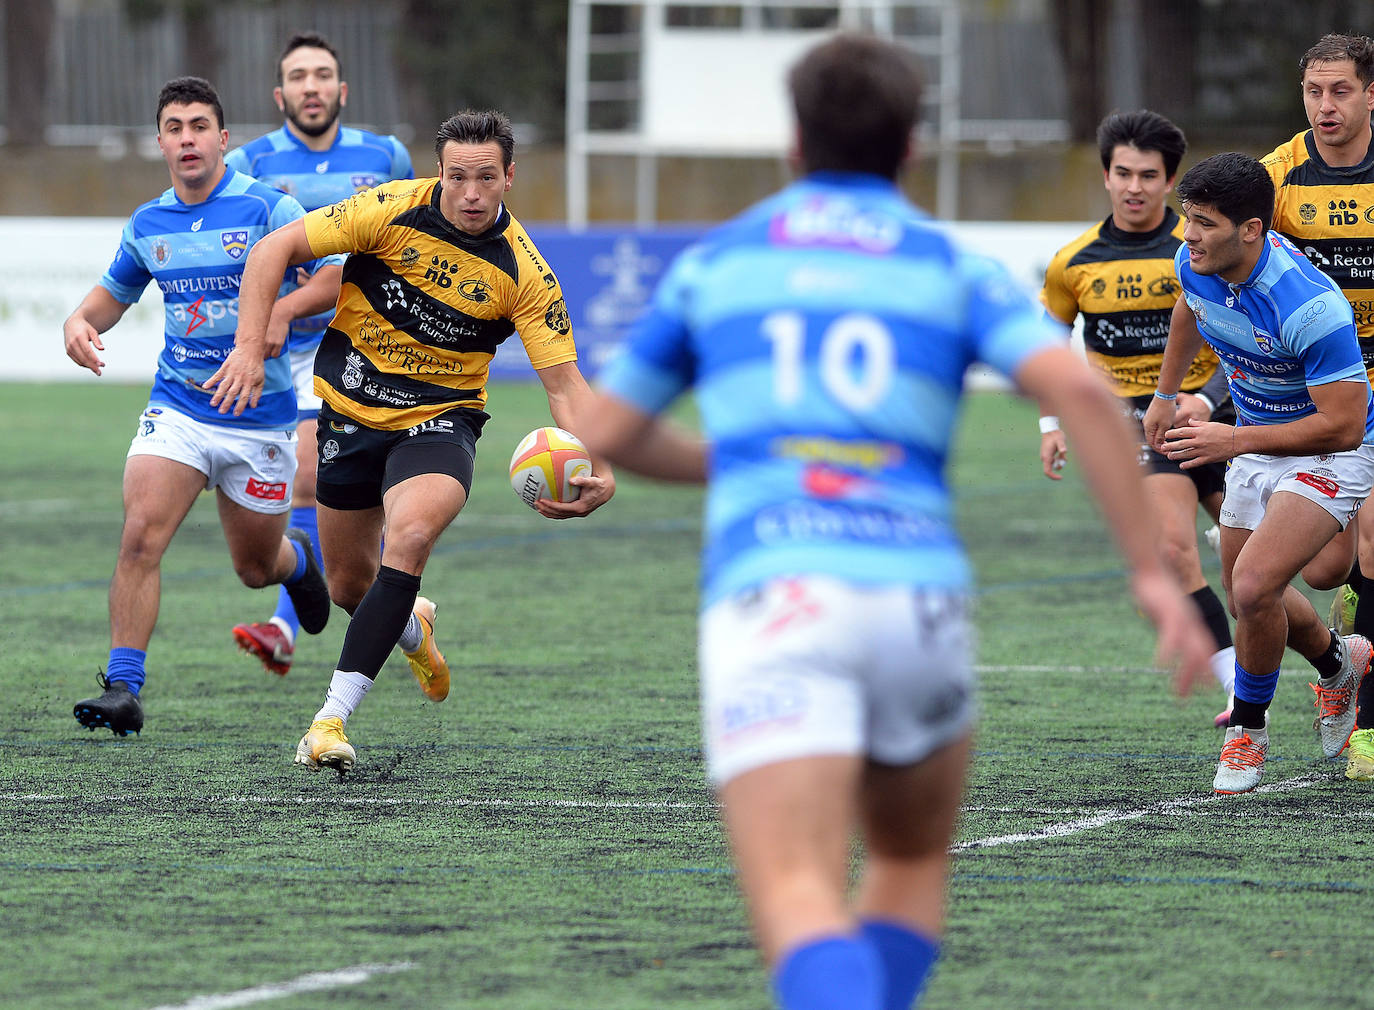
325	746
427	662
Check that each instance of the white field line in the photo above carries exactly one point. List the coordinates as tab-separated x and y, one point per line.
1102	819
314	982
356	801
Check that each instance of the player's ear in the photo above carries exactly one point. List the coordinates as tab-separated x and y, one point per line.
276	97
510	176
343	94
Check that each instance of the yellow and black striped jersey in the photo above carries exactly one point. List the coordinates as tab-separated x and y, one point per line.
1125	286
1328	213
424	305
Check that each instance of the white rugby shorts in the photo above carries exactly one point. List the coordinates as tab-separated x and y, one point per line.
254	468
303	379
811	665
1339	482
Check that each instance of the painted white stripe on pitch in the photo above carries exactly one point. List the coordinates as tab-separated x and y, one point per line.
1066	828
360	801
314	982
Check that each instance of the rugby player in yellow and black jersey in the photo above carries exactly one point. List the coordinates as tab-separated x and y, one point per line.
1324	203
1119	276
438	274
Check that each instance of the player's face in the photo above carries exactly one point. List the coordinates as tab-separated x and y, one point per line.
1214	243
311	93
1338	108
192	143
1137	184
474	183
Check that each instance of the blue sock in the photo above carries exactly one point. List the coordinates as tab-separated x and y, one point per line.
833	973
907	957
302	519
1256	690
125	666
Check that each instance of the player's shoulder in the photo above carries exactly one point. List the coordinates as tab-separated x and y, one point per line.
1066	253
356	136
1286	156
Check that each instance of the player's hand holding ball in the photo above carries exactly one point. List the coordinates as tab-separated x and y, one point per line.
551	472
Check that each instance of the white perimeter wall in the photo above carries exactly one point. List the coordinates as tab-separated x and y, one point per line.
48	264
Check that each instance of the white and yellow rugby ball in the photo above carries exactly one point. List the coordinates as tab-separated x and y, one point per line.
544	464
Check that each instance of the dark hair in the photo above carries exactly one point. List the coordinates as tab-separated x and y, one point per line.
1234	184
311	40
186	90
1358	49
471	127
1145	131
857	98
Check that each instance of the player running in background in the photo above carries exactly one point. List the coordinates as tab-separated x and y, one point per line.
438	274
826	332
1324	192
192	241
1301	456
319	161
1119	275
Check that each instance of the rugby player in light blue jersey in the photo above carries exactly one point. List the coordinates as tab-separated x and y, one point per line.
1301	453
318	161
827	332
193	241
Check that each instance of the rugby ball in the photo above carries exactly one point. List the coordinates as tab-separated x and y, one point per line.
544	464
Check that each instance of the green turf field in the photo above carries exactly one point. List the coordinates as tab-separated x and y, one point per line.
543	839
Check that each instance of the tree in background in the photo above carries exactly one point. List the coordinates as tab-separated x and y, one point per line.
505	54
28	33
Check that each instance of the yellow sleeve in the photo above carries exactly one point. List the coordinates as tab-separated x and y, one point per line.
348	226
1057	296
540	316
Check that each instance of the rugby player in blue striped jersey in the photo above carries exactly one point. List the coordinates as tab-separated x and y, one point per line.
319	161
826	332
193	241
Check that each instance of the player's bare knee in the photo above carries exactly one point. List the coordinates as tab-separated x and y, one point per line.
1254	592
255	573
346	589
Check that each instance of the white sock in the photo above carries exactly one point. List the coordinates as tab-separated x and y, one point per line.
1224	667
346	690
280	622
413	635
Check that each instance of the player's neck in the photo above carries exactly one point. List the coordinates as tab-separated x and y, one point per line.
200	192
323	142
1241	272
1139	228
1351	153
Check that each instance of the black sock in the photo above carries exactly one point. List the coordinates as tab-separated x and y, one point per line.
1214	616
1364	698
1356	576
1328	664
1364	610
1248	714
378	622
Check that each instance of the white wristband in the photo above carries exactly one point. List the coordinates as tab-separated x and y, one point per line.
1049	423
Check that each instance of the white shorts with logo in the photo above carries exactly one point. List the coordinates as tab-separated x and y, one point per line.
303	378
253	468
812	665
1339	482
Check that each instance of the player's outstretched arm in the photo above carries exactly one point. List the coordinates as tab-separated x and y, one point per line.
98	311
570	400
643	443
318	292
1183	344
238	382
1106	453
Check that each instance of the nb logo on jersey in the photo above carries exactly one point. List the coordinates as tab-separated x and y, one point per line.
1128	286
1342	212
441	272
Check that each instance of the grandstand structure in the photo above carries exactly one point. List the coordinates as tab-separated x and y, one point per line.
650	79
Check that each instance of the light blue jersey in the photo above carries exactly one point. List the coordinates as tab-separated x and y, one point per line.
827	331
357	160
195	253
1284	328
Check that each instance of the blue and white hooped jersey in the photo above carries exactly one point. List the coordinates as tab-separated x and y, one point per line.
357	160
195	253
827	331
1284	328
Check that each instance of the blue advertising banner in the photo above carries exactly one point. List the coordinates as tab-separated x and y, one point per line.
607	276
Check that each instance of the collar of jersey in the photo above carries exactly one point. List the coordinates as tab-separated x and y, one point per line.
1364	165
286	132
497	227
229	173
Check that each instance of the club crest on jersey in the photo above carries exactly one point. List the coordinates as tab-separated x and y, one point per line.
353	371
362	182
162	252
1263	341
235	243
1308	213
